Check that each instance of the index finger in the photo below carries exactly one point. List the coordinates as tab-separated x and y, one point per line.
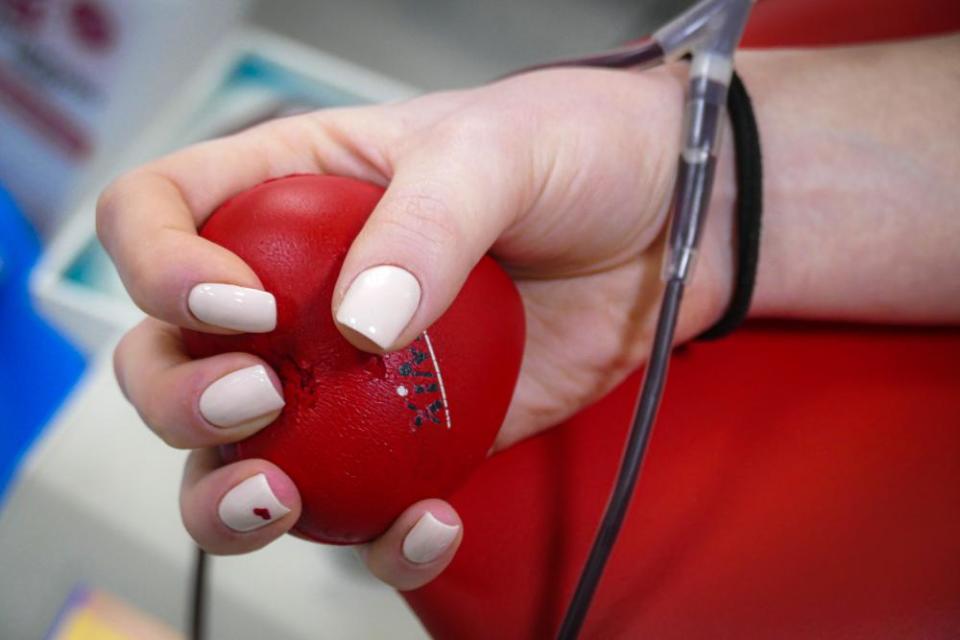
147	220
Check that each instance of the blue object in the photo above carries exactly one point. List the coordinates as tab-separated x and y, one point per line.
38	367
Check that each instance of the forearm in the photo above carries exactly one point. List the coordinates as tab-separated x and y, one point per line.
861	150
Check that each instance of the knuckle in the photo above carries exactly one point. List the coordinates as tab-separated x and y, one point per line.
110	203
172	437
470	127
125	356
191	523
150	415
159	413
140	278
154	277
426	219
142	266
121	355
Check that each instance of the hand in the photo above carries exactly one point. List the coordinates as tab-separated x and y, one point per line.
563	176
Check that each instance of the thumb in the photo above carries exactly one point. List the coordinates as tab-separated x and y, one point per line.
443	210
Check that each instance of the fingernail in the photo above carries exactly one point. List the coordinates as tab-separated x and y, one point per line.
245	397
428	539
233	307
251	505
380	303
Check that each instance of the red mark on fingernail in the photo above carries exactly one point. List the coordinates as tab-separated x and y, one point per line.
261	512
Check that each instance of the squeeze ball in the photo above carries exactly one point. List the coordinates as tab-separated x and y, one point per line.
362	436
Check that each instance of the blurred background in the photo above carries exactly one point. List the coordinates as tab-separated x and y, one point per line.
90	535
434	44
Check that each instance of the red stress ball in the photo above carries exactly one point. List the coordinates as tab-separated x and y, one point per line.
362	436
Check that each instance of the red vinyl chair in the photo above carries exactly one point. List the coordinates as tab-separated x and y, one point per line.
803	481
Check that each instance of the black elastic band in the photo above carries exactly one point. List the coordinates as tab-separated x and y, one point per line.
749	177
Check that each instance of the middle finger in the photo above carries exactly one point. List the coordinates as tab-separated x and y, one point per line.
194	403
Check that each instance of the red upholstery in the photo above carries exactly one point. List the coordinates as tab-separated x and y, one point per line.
797	23
802	481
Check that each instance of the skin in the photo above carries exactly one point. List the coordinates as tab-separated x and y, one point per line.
563	175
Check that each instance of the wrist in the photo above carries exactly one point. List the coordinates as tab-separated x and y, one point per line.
735	208
710	288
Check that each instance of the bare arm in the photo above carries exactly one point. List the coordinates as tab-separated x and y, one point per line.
862	181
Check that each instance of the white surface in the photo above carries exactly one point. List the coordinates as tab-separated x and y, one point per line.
379	303
245	397
232	307
428	539
238	508
97	504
